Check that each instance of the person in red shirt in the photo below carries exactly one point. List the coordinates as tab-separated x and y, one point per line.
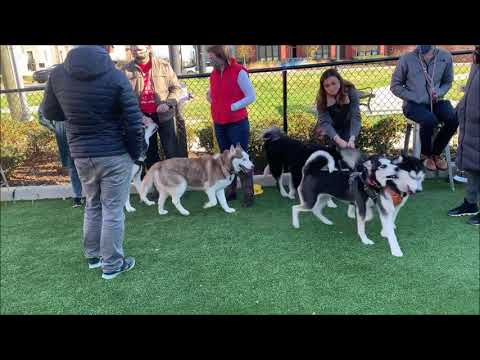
229	94
158	89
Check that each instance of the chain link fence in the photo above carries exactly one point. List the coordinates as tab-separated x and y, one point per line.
285	98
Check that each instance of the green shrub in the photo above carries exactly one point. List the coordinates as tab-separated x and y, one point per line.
23	140
13	143
206	138
42	142
380	135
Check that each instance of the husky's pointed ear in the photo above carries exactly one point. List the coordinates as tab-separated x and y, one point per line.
368	165
397	160
232	149
238	146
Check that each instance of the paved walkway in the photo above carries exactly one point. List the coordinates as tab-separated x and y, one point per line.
385	102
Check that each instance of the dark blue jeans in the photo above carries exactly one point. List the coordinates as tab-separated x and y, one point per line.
166	130
233	134
75	180
443	112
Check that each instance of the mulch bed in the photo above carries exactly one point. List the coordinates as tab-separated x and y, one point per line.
39	171
45	170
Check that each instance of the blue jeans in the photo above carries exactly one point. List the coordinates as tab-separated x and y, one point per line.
233	134
166	131
443	112
106	182
74	179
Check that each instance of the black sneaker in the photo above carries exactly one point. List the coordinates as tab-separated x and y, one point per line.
474	220
463	210
94	263
128	264
77	202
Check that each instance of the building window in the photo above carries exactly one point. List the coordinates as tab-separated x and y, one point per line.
323	52
31	61
366	50
267	52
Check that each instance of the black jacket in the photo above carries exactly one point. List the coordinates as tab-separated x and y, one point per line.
102	115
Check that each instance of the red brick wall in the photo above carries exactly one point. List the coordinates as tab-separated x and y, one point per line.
333	51
397	50
283	52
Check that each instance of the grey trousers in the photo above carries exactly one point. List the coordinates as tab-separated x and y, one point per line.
473	187
105	182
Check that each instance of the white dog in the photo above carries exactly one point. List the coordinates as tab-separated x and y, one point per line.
150	129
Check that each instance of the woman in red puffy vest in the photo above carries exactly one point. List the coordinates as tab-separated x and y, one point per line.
229	94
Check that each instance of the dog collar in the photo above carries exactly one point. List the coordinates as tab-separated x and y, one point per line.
368	186
395	194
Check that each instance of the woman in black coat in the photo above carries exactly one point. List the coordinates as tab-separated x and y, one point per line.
468	154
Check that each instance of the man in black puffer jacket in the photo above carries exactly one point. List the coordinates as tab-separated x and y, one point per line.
105	136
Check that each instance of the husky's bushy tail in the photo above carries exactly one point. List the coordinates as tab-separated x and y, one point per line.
319	156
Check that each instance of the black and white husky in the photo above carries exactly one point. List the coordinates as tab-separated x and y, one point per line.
150	129
287	155
370	183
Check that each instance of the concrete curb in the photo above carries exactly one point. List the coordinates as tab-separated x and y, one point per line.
39	192
65	191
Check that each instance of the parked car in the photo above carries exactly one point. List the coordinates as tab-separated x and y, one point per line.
41	76
194	69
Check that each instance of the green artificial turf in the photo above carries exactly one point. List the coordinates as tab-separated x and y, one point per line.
249	262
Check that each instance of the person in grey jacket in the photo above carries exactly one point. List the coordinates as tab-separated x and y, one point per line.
105	136
338	108
421	79
468	152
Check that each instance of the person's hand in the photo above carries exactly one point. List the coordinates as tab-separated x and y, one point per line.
340	142
162	108
319	132
146	120
351	143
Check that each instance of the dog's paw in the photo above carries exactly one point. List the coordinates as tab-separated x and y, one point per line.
291	196
368	241
185	213
229	210
149	203
351	212
162	212
130	209
397	253
208	205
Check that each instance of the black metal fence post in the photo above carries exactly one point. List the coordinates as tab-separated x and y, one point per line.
284	88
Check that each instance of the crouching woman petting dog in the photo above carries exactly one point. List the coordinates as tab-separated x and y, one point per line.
229	94
338	109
